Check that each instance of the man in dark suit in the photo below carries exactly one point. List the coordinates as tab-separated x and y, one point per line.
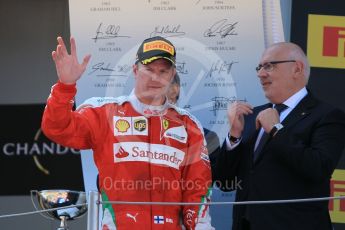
286	149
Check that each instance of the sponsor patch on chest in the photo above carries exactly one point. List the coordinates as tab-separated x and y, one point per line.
178	133
150	153
130	126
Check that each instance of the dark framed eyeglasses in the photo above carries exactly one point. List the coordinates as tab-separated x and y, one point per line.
268	66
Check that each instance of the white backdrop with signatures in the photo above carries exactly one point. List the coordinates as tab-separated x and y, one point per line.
218	42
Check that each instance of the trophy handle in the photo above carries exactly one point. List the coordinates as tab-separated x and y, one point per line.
33	193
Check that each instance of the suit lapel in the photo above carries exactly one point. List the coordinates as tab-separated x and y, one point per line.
302	110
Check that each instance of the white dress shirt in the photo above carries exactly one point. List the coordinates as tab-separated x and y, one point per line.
291	103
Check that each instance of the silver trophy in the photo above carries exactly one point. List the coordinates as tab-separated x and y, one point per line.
51	199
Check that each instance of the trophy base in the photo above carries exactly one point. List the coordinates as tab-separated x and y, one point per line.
63	224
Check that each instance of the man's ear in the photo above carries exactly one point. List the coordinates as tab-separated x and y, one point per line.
174	93
174	72
135	68
176	89
299	68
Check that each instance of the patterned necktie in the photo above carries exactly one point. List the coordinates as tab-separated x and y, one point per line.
266	136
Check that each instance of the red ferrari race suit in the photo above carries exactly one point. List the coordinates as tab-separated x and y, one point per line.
143	153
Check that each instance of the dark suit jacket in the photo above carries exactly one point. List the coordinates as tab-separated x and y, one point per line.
296	163
213	145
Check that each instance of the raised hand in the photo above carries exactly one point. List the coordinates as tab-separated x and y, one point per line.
67	66
236	113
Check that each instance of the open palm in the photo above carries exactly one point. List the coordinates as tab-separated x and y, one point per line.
67	66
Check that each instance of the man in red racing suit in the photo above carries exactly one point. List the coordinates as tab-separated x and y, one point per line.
143	152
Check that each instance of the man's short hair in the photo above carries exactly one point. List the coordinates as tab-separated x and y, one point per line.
176	79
